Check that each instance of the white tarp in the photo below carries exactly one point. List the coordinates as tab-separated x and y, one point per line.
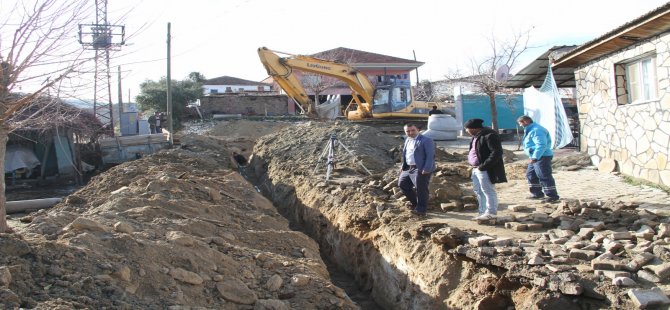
17	157
544	106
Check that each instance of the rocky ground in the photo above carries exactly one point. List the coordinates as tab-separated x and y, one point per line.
189	229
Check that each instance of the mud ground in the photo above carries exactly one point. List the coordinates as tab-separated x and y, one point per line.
189	229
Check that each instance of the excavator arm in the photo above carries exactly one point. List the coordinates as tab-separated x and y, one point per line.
281	70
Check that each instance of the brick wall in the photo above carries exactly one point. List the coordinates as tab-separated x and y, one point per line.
245	104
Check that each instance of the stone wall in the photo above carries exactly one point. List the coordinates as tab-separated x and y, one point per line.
635	135
245	104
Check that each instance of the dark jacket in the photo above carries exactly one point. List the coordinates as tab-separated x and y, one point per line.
490	154
424	154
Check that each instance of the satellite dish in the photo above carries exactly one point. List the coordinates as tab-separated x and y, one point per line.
502	73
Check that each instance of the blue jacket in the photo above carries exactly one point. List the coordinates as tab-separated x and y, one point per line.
536	142
424	154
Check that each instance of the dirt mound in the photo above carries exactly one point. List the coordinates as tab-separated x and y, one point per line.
176	230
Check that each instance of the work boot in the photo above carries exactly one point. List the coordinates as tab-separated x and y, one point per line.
550	200
418	213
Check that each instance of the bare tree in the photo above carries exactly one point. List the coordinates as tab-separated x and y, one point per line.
482	73
317	84
38	49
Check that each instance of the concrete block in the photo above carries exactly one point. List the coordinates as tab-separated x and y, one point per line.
558	253
662	270
613	247
584	268
591	247
639	260
582	254
487	251
611	274
608	265
645	298
480	241
535	226
648	275
563	233
516	226
505	219
625	235
564	260
586	232
664	230
559	241
517	208
623	281
450	206
644	236
596	225
501	242
535	260
645	229
576	245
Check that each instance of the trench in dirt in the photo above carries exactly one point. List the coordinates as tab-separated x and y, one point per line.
339	277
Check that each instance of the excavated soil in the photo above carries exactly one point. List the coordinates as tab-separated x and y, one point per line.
189	228
177	230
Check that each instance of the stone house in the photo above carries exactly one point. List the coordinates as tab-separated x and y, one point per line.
623	96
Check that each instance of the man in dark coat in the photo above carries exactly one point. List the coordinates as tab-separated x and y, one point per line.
486	158
434	111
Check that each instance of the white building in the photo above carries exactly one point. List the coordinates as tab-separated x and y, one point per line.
231	85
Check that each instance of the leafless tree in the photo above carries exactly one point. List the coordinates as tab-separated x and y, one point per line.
317	84
38	49
482	73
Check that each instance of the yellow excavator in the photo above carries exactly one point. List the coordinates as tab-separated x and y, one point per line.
390	99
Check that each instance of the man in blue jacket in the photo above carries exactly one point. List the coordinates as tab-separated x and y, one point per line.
537	145
418	164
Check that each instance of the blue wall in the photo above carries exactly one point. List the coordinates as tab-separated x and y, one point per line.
477	106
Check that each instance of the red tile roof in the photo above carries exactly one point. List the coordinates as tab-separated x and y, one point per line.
352	56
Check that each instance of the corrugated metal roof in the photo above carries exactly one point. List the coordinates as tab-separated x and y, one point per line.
536	71
643	27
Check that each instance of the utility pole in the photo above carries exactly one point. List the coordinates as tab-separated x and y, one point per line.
102	37
417	70
121	107
169	88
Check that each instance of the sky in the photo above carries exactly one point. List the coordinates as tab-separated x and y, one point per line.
217	37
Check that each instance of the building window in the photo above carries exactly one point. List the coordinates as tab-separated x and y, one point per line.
636	80
213	91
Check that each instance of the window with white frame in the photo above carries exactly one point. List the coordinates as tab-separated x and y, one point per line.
638	81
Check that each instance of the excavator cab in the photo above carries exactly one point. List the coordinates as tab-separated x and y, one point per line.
394	98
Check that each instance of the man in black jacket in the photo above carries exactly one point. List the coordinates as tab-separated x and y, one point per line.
486	157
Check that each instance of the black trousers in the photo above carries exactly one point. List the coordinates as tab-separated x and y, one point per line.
411	179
